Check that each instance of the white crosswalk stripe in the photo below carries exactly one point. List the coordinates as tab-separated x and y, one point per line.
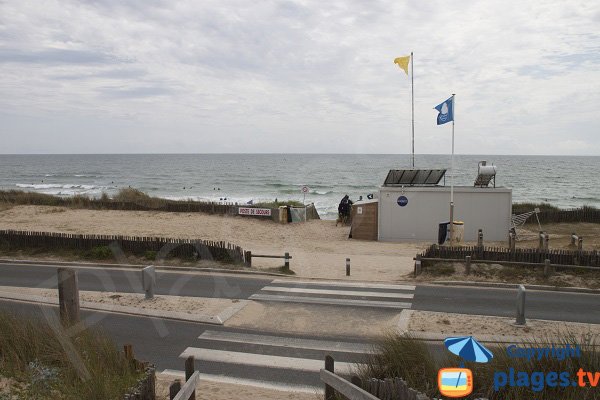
337	293
242	354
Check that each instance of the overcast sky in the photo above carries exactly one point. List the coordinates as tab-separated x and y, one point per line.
152	76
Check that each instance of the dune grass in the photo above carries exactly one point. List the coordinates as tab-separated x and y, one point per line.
40	368
413	360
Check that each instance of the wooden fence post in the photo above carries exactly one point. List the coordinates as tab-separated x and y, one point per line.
68	296
189	371
174	389
347	267
521	306
541	241
286	262
418	265
480	238
248	259
547	268
329	366
468	265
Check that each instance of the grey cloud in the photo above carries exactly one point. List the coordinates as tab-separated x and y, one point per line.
135	92
54	56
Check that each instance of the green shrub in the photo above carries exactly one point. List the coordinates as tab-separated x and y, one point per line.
150	255
31	353
99	253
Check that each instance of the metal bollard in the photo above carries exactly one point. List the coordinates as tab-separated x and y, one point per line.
468	265
149	281
347	267
521	306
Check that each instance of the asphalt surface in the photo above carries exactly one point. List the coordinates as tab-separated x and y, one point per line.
162	341
129	281
551	305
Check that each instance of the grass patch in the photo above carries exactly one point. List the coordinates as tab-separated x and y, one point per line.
520	208
438	269
277	204
34	359
98	253
412	360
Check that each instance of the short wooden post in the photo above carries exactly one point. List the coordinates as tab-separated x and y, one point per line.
418	265
521	306
512	241
573	239
128	350
580	243
248	259
347	267
468	265
189	371
329	366
174	389
547	268
480	238
546	240
541	241
68	296
286	263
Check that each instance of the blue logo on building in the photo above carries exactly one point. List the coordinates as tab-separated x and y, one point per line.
402	201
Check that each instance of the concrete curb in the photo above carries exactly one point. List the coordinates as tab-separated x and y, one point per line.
500	285
404	320
162	268
218	319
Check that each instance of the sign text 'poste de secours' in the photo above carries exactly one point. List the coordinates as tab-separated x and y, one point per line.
266	212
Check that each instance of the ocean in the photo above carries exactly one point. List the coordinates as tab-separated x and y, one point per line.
562	181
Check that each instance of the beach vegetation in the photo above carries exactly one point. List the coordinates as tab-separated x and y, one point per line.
150	255
36	365
418	362
99	253
521	208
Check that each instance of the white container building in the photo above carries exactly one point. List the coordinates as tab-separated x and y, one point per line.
412	204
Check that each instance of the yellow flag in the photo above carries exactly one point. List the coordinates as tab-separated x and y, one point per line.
403	63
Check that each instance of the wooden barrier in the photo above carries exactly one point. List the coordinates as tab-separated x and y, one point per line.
188	390
373	389
183	248
557	257
248	258
68	296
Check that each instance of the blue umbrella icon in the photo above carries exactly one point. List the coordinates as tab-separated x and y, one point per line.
468	348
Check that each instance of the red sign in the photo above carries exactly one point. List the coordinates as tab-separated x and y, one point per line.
264	212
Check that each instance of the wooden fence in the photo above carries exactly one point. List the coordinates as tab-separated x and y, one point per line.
146	386
183	248
585	214
590	258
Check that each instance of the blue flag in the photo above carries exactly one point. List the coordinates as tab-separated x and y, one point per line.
446	111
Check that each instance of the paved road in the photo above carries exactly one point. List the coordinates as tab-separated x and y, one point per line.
221	353
129	281
574	307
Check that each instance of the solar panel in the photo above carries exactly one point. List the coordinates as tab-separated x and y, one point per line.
411	177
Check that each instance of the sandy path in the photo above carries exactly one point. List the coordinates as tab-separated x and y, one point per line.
180	304
465	325
319	248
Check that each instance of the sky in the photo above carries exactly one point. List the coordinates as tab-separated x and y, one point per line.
154	76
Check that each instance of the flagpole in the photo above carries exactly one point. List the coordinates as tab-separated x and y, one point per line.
412	79
452	176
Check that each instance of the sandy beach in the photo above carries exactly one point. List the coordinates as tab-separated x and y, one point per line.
318	248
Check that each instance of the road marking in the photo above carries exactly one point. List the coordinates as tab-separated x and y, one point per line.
330	301
345	284
278	341
262	360
248	382
339	292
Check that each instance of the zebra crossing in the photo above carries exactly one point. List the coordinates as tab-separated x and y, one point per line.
354	294
280	362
